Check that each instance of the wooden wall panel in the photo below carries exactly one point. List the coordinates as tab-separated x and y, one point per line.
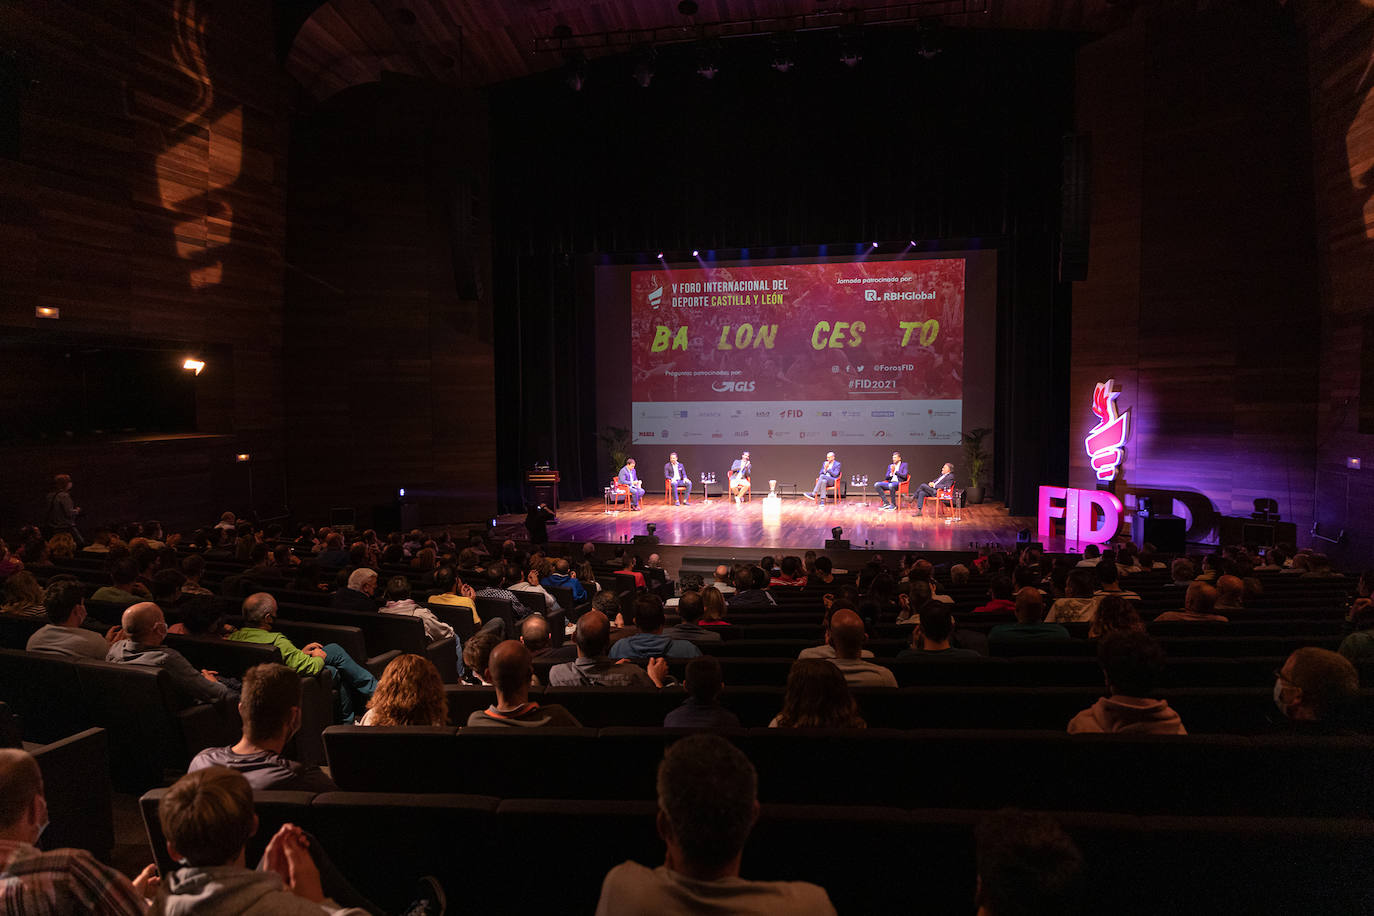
390	375
147	202
1341	52
1201	293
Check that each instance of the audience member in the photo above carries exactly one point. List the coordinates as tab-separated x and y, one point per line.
1107	580
564	576
1092	555
270	705
410	692
1027	866
1114	613
452	591
535	636
356	683
1131	665
193	567
999	597
1030	611
790	573
63	634
750	585
144	630
400	604
691	607
817	697
1316	691
1358	646
531	584
1079	602
931	636
822	574
207	820
477	653
1198	602
23	597
358	594
702	708
509	670
707	806
1230	594
500	576
846	636
713	608
1182	572
650	641
55	882
594	668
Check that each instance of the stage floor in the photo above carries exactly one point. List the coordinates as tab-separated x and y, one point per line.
797	523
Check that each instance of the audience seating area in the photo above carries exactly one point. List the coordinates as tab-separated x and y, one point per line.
882	817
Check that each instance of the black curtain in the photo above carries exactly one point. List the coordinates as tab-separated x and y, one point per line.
964	143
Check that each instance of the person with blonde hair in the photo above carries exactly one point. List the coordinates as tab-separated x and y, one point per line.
23	597
713	608
1115	614
409	693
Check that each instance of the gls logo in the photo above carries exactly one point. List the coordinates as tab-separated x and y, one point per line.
732	386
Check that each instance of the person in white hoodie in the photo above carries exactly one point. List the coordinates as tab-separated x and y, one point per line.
207	818
1131	663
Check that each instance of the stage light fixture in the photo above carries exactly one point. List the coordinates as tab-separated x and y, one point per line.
46	311
243	457
875	244
401	492
695	253
651	528
660	256
195	365
837	532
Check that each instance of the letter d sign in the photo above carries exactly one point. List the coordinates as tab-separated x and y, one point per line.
1077	513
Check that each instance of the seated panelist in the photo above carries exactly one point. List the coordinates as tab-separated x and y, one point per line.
830	473
630	479
930	488
887	488
739	476
675	475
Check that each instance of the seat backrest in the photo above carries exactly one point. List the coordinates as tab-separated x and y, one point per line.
45	693
227	657
393	758
532	600
15	631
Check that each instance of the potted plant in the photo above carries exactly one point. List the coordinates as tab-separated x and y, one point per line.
617	442
976	463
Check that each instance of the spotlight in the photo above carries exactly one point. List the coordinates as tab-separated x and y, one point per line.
784	52
875	244
644	67
651	528
46	311
912	243
575	71
195	365
837	532
708	60
660	256
696	253
243	457
401	492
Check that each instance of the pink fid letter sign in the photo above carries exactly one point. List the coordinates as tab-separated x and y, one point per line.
1077	513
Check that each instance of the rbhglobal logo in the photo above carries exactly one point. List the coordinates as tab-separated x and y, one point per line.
894	295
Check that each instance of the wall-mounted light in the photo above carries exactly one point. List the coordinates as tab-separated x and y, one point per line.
46	311
195	365
243	457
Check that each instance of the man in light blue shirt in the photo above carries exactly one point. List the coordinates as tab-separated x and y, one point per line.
650	642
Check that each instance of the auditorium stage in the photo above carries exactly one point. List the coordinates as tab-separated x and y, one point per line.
798	524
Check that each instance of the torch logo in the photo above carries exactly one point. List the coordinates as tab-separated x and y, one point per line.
1104	441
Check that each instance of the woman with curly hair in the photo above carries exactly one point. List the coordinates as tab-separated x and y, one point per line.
1115	613
817	697
410	692
61	546
23	597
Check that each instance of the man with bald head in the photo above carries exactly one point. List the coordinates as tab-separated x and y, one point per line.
509	670
61	880
145	629
535	635
1198	603
594	668
723	580
563	576
1230	594
356	683
846	636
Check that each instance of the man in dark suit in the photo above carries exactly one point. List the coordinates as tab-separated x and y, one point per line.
630	479
675	473
892	481
357	595
946	479
830	472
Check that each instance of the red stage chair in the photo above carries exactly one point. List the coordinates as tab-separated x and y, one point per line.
946	495
617	491
831	485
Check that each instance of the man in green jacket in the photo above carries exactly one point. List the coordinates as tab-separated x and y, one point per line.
356	683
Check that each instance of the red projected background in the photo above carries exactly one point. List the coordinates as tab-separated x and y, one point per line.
816	344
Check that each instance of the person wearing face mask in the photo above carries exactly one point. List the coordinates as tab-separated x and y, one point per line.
271	709
1315	691
145	629
63	635
38	882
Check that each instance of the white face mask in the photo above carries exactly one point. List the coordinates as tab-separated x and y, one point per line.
1278	696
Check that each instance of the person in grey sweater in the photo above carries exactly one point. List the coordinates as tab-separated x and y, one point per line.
63	635
145	629
207	819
